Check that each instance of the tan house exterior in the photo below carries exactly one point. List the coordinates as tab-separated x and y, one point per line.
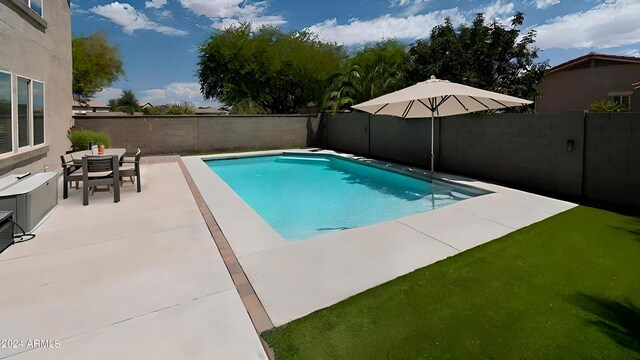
85	106
35	84
578	83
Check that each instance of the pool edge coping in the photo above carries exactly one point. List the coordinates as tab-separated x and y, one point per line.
257	313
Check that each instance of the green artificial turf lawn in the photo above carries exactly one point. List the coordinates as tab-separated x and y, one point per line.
566	287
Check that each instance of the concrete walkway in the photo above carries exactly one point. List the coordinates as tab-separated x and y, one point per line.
140	279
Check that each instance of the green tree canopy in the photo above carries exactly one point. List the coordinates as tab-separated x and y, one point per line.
487	56
378	69
278	72
96	64
127	102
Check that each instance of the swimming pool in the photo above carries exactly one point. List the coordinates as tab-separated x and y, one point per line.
301	196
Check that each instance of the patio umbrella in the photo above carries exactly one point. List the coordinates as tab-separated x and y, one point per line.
436	97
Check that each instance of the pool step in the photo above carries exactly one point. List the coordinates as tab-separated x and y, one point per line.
300	159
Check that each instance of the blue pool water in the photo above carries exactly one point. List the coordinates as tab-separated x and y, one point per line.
303	196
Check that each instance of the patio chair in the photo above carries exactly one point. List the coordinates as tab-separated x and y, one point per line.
70	172
100	170
130	167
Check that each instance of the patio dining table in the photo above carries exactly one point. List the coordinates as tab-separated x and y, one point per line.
78	155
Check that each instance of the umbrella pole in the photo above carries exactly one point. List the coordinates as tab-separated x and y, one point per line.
432	157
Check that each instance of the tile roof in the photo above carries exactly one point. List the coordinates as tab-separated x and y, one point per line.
593	55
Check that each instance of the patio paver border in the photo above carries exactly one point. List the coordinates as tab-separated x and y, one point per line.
252	303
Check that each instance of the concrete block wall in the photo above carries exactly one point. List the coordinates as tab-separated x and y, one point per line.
405	140
612	158
153	135
528	149
385	137
199	134
348	132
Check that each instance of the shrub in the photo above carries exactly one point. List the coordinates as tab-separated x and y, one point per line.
80	139
151	110
607	106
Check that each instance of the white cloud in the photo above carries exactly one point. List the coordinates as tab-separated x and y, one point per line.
609	24
131	20
496	10
412	7
156	4
629	52
230	12
408	27
543	4
175	92
107	94
255	22
358	31
165	14
394	3
76	9
169	94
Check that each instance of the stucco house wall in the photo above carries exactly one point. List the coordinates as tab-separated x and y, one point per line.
576	86
38	48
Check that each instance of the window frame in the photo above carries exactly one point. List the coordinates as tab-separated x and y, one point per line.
29	115
621	94
15	125
28	4
44	115
11	114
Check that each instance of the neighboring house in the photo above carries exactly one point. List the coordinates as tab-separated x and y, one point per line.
211	111
146	106
84	106
35	84
635	99
578	83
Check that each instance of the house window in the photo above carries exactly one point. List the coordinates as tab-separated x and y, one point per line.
622	100
5	113
38	113
31	112
24	134
35	5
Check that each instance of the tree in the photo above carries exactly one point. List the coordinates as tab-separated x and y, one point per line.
127	102
376	70
277	71
181	108
487	56
96	64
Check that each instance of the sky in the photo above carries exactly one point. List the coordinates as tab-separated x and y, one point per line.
159	39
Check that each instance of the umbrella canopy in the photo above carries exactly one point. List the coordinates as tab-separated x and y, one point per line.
439	98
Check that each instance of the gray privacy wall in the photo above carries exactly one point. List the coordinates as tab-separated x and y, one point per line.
383	137
201	134
526	149
612	158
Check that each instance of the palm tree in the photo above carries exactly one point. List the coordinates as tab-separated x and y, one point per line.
361	83
376	70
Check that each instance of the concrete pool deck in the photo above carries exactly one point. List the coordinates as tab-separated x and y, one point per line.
154	277
140	279
293	279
